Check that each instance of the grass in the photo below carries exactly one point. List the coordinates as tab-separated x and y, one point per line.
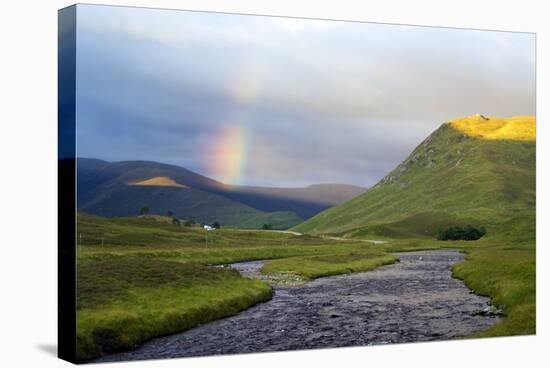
123	302
279	220
129	293
140	278
159	181
507	275
311	267
520	128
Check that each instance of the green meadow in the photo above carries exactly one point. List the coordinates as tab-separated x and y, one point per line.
129	293
140	278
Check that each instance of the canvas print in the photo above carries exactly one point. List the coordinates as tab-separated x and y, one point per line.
238	184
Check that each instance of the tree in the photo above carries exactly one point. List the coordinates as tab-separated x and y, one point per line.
175	221
461	233
169	213
144	210
189	223
216	225
267	226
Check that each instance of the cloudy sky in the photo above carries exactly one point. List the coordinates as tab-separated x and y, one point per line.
279	101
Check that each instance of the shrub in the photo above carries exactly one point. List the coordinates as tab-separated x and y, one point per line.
461	233
267	227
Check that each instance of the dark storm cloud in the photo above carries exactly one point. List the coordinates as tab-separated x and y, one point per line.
319	101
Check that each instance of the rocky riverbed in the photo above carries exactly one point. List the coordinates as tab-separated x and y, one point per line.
413	300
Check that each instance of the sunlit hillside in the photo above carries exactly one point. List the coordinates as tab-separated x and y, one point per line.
519	128
160	181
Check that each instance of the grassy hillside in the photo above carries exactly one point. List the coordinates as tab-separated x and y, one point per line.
279	220
475	170
518	128
323	194
127	200
456	176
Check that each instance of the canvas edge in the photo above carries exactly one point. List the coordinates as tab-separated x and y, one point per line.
66	175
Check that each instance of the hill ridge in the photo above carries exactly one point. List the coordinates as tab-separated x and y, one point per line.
449	178
109	189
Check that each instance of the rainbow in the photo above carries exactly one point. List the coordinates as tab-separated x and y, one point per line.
226	155
226	159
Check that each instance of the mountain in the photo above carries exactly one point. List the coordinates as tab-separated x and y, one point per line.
324	194
123	188
476	170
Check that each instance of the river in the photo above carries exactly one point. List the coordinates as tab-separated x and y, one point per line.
413	300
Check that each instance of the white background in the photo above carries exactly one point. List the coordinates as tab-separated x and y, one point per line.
28	141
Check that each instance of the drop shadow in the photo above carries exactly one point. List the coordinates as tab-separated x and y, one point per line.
50	349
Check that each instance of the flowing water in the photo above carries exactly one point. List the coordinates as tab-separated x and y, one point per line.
413	300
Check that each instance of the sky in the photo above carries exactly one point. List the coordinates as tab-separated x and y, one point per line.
283	102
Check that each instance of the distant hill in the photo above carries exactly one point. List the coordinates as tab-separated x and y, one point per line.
476	170
123	188
323	194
